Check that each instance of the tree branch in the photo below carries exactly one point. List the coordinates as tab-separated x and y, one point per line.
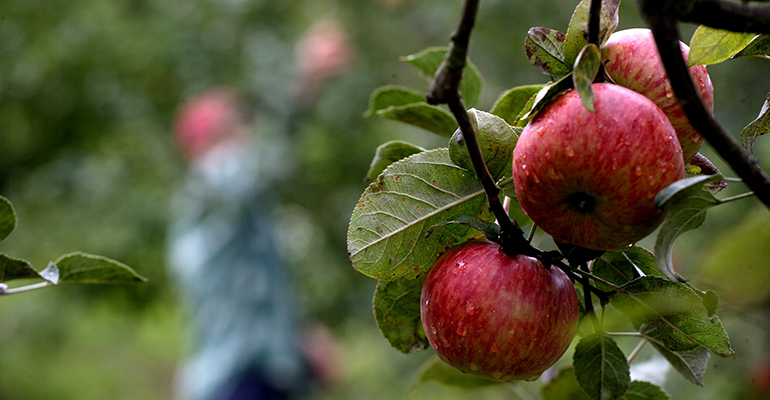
445	90
723	14
662	21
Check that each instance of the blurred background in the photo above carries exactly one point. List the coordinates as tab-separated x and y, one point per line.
89	91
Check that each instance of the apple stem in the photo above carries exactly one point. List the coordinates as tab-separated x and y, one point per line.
662	19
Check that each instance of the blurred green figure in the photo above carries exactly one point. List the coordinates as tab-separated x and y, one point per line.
222	249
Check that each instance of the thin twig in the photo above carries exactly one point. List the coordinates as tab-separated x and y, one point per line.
27	288
661	18
445	90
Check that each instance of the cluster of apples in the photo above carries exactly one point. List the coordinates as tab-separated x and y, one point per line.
586	178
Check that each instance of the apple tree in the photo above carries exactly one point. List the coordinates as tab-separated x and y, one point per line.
598	158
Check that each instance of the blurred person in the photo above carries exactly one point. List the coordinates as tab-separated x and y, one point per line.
247	327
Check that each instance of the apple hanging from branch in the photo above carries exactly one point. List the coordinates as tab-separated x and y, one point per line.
589	179
489	314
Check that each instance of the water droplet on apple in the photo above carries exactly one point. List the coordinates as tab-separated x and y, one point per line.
638	171
570	151
470	308
474	367
547	155
434	330
497	374
494	348
461	330
445	342
696	138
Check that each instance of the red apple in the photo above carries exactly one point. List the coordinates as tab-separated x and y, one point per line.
501	317
631	60
589	179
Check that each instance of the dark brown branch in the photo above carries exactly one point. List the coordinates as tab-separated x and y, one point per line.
724	14
594	22
662	22
445	90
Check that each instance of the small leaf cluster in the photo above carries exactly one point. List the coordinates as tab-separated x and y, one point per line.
422	202
74	267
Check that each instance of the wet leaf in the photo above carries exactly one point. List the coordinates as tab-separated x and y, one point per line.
576	39
496	139
422	115
623	266
586	67
511	102
691	365
545	50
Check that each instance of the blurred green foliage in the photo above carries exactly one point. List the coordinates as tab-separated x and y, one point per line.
88	91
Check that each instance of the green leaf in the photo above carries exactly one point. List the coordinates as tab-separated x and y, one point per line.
691	365
422	115
759	47
86	268
15	268
576	38
586	67
387	232
7	218
511	102
543	97
388	153
397	312
676	310
564	387
392	96
435	370
758	127
496	139
710	46
429	60
639	390
545	50
600	367
687	202
491	230
623	266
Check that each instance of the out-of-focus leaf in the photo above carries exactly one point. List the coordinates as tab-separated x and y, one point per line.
639	390
496	139
545	50
422	115
683	322
7	218
759	47
692	365
623	266
543	97
397	312
710	46
510	103
86	268
564	387
435	370
736	268
586	67
387	232
388	153
760	126
429	60
392	96
576	38
687	202
15	268
600	367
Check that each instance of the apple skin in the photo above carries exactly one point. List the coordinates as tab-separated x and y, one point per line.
590	179
631	60
501	317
